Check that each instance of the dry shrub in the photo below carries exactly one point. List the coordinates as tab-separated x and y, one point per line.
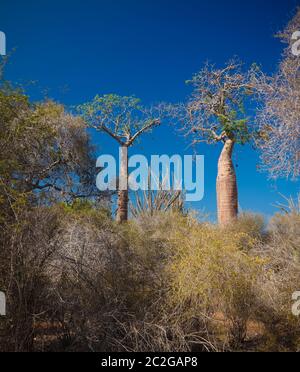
27	252
282	279
162	325
252	225
112	287
106	279
76	281
212	274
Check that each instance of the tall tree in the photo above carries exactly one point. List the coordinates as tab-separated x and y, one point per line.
45	157
45	153
279	117
215	113
124	119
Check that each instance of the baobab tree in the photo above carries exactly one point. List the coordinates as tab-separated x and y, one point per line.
124	119
279	116
215	113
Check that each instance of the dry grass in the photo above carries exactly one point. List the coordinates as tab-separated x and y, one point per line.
159	283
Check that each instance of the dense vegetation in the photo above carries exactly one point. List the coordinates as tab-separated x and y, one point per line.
76	279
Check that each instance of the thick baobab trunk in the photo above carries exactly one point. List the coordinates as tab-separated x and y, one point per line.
123	199
227	193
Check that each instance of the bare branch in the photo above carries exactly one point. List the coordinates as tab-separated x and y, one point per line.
114	136
147	127
279	116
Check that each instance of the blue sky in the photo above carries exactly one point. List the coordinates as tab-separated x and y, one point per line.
76	49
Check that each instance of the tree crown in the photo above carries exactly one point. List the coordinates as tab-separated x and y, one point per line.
216	110
123	118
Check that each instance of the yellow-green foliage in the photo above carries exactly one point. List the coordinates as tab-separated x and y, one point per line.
85	210
210	272
209	261
202	269
252	225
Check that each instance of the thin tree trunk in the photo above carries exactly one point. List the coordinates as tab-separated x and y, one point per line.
123	199
122	213
227	192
